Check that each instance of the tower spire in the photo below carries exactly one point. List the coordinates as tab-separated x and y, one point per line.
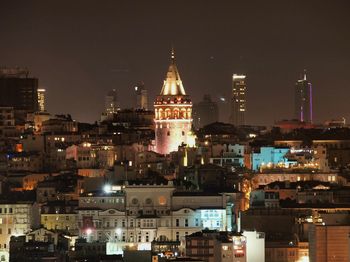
172	83
304	74
172	54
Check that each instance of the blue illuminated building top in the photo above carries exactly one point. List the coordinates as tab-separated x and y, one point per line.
270	156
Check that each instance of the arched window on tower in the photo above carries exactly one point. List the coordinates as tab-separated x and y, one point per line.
183	113
189	113
160	113
176	113
167	113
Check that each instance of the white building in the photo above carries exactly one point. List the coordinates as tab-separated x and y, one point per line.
138	214
255	246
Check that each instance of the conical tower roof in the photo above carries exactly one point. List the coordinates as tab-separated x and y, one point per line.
172	84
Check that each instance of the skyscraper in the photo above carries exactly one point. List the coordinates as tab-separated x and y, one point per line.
41	99
205	112
238	100
141	96
173	113
303	100
18	90
112	102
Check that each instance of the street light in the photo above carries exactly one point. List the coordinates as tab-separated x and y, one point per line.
107	188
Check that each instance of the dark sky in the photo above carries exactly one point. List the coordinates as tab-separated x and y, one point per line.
81	49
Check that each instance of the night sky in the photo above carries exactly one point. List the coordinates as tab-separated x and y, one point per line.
81	49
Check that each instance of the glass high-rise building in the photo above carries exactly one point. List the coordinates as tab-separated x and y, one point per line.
238	100
303	100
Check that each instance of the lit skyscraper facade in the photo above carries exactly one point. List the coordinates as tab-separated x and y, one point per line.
238	100
173	113
41	99
303	100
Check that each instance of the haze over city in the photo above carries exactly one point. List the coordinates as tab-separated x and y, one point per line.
81	49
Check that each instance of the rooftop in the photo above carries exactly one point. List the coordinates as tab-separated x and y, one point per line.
172	83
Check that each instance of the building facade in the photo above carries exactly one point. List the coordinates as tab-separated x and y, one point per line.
18	90
16	219
205	112
136	215
41	99
112	102
329	243
238	100
7	122
141	96
303	100
173	113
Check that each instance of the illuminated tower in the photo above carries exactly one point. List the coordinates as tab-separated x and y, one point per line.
303	100
41	99
173	113
238	100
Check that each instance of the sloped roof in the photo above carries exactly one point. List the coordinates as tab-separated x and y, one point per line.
172	84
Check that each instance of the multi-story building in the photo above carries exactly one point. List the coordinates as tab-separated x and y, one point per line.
238	100
112	102
173	113
205	112
228	155
82	155
87	155
255	245
7	122
16	218
139	214
214	246
268	157
41	99
141	96
65	186
40	245
60	124
25	161
35	120
329	242
270	177
303	100
60	215
18	90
